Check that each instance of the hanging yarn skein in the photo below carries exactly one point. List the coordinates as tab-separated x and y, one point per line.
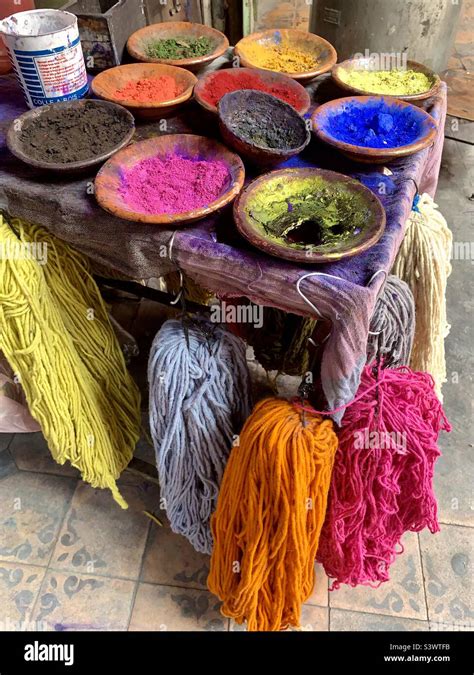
423	262
269	515
55	333
199	384
382	483
392	325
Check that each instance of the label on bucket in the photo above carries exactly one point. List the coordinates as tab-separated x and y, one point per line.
51	75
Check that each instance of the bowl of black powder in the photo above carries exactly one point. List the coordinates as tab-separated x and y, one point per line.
260	127
70	136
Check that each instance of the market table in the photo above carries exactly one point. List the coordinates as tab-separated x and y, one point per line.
213	254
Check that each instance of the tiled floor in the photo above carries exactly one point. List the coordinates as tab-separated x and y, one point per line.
70	558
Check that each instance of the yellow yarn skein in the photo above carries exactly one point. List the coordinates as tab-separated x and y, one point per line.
56	335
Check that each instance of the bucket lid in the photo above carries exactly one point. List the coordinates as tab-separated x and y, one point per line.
37	23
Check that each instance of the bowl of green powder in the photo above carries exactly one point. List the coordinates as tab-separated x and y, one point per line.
177	43
412	82
309	215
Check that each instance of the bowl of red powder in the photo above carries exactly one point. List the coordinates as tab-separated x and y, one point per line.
170	180
212	87
148	90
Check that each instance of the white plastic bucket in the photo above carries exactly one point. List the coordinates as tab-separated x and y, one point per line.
44	47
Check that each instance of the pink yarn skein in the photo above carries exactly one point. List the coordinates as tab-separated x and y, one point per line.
382	482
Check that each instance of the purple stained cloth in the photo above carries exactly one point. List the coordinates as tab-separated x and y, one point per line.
214	255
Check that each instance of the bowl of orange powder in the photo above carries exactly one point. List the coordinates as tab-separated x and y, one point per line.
148	90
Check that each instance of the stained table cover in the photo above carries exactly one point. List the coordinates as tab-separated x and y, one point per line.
214	255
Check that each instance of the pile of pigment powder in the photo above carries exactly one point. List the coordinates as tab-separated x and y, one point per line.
390	82
179	48
375	124
66	135
303	213
223	82
265	122
150	90
173	184
279	57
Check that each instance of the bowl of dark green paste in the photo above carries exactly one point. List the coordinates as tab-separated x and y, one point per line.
309	215
177	43
260	127
70	136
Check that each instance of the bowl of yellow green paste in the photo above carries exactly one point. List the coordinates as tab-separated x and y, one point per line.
309	215
412	82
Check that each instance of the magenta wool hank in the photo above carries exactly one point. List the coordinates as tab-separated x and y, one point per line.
382	482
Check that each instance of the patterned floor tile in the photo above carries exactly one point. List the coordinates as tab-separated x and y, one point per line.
31	453
7	465
99	537
32	508
401	596
314	618
448	570
171	560
5	440
162	608
69	602
341	620
319	596
19	587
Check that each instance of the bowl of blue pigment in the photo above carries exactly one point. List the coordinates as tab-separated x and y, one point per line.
374	128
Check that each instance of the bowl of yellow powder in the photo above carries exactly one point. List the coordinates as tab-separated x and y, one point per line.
298	54
413	82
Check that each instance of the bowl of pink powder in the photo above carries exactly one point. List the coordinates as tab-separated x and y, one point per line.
148	90
169	180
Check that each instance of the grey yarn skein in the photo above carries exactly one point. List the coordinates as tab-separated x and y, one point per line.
199	401
394	320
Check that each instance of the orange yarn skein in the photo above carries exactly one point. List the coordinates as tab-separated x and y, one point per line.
270	510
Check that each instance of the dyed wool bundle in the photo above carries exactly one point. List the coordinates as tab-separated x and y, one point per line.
199	386
393	325
55	333
423	262
269	516
383	473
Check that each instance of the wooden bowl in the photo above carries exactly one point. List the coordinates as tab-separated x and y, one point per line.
268	77
318	47
138	41
17	148
108	181
364	154
255	105
105	85
253	219
361	63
